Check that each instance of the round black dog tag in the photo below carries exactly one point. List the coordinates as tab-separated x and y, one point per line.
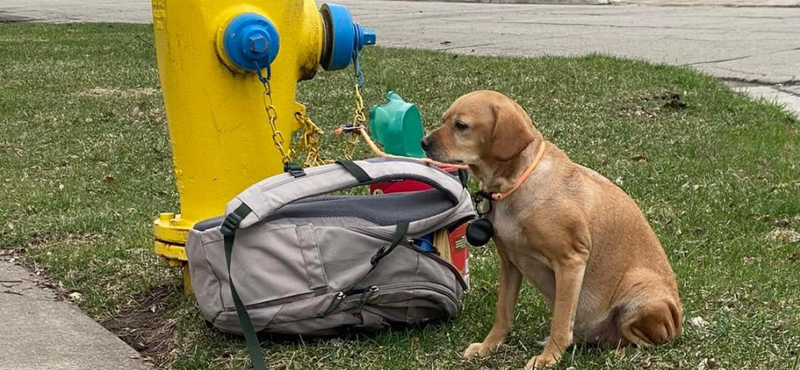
479	232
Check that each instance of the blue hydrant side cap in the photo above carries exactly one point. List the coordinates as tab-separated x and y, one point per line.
251	41
343	36
341	33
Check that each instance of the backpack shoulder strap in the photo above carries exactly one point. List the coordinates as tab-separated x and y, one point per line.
228	229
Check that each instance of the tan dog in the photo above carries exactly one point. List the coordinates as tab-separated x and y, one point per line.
571	232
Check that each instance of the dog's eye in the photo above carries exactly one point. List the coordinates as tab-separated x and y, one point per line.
461	125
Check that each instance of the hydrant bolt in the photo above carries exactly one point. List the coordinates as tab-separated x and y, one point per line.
258	44
368	36
364	36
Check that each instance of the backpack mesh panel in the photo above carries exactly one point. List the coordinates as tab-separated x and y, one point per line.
383	210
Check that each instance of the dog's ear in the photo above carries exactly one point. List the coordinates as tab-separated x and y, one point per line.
511	132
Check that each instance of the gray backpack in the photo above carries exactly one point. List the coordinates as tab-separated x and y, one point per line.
308	263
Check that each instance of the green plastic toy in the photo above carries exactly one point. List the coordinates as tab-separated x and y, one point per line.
397	125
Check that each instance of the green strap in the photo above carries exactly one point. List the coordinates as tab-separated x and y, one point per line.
250	337
399	233
355	170
463	177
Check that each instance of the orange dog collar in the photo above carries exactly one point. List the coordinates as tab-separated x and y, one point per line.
525	175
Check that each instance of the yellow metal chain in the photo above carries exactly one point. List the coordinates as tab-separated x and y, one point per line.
358	123
310	141
272	114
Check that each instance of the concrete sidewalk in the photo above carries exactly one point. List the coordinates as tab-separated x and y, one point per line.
754	48
41	332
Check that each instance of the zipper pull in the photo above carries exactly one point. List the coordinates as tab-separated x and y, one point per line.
365	296
334	304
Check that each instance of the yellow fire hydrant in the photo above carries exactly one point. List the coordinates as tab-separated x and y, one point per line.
215	58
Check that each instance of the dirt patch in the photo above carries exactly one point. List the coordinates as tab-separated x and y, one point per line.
652	106
142	322
103	92
11	255
783	235
671	100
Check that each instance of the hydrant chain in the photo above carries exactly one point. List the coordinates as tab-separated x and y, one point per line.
358	122
310	140
272	115
359	119
359	78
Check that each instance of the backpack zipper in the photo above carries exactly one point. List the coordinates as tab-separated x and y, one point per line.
408	243
371	291
365	296
309	172
334	304
421	285
440	261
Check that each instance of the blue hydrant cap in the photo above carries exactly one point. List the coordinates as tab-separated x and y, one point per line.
251	41
343	36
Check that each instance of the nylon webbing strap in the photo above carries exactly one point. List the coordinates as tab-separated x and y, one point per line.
463	177
228	229
399	233
355	170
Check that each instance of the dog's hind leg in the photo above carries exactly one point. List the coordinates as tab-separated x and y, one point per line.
652	319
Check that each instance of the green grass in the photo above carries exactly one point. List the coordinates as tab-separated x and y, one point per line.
85	166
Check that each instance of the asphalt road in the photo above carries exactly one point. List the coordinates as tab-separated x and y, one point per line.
755	48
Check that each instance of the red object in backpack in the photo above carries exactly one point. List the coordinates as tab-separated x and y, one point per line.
459	248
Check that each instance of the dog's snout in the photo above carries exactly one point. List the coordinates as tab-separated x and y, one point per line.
426	142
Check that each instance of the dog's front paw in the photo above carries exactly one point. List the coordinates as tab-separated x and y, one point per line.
480	349
540	362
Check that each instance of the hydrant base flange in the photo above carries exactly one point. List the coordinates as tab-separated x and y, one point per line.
170	232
